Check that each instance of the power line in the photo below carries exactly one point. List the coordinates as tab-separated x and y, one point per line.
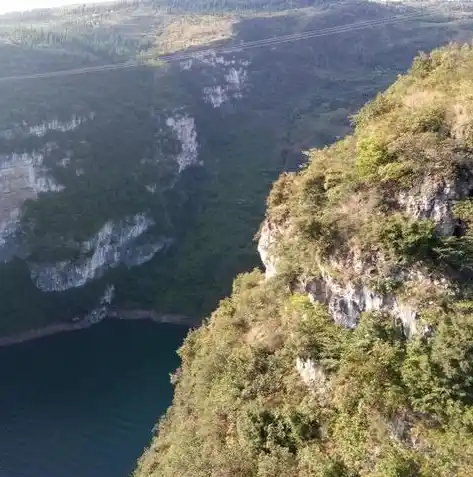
277	40
306	35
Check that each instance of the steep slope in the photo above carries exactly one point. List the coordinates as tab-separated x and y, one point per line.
354	355
145	185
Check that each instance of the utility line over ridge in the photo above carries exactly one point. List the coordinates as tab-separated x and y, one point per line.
273	41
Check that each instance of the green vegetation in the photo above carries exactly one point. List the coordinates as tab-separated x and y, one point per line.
377	406
270	385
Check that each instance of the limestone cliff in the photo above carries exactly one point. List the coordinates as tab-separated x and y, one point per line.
434	200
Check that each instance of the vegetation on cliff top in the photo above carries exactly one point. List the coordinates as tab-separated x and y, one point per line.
418	132
271	386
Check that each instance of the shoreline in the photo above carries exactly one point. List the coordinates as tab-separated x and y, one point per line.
128	315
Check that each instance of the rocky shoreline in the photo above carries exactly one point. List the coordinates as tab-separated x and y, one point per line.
55	328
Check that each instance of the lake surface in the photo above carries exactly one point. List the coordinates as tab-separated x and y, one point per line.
83	404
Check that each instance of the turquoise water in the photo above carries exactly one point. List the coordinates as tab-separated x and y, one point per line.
84	404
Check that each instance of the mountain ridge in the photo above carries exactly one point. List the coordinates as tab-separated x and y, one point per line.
352	356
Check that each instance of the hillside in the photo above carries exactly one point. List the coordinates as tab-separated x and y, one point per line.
142	188
353	356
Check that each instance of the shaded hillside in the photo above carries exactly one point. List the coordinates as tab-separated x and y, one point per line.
146	186
353	356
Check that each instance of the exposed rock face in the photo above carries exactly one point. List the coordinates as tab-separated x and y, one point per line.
100	313
347	300
434	200
114	244
40	130
184	128
229	84
215	95
311	373
25	173
268	237
22	176
234	83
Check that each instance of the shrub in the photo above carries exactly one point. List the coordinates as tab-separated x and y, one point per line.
421	119
371	153
405	239
279	197
382	104
463	210
399	172
422	66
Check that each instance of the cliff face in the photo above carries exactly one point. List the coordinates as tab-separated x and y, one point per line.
352	355
434	200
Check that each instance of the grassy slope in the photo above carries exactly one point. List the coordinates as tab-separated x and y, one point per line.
379	405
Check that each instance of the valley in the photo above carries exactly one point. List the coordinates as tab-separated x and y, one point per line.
139	197
143	188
